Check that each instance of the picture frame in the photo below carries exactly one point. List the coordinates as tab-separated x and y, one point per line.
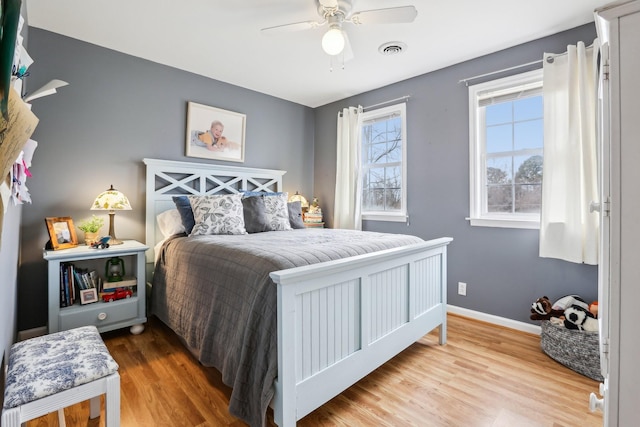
88	296
214	133
62	233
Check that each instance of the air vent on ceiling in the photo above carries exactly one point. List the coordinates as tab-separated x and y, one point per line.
392	48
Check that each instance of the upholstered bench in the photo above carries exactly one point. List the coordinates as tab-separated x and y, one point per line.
51	372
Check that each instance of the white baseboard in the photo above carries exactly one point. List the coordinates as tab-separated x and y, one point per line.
496	320
32	333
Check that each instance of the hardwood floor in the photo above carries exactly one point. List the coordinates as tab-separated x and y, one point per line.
486	375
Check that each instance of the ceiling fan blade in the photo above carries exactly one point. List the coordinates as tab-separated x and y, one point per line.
290	28
348	51
392	15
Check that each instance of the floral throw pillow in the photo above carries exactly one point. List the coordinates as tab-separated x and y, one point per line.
277	212
217	214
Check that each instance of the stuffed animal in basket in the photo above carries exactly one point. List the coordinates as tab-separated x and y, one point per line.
542	309
577	317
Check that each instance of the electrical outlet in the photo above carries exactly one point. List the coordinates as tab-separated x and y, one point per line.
462	288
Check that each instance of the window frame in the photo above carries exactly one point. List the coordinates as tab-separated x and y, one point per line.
477	156
396	216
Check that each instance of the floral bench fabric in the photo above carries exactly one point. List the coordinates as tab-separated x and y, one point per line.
49	364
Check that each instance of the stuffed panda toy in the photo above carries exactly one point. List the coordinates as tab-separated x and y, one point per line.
577	317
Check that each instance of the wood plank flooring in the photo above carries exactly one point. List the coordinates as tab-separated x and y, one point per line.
486	375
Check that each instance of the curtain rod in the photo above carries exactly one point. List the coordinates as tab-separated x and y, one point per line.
402	98
550	58
466	81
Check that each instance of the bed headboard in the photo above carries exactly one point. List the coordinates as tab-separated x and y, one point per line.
166	178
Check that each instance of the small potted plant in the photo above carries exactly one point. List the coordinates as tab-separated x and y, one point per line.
91	227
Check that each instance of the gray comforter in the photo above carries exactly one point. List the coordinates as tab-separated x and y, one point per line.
216	294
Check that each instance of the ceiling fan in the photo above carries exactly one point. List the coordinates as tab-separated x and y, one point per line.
335	13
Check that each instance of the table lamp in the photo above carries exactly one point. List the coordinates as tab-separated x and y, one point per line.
111	200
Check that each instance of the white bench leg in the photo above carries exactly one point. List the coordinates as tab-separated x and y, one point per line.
61	421
94	407
11	417
112	401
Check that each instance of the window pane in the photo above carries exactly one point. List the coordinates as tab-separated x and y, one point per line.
529	134
378	153
382	159
528	198
395	151
498	113
528	169
393	200
499	198
499	170
527	108
373	200
499	138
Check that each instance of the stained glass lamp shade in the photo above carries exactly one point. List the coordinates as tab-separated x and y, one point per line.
111	200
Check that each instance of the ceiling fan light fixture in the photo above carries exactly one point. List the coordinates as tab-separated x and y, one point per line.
333	41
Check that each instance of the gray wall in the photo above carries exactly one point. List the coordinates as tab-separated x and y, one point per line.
119	109
116	111
501	266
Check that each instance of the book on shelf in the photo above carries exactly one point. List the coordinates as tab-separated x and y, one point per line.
126	282
74	279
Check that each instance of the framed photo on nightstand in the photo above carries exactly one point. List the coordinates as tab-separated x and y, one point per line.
87	296
62	233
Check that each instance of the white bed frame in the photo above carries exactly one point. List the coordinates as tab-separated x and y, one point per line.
337	320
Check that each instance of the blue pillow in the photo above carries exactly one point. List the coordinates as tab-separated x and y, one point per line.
186	213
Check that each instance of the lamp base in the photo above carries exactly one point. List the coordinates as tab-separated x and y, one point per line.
114	240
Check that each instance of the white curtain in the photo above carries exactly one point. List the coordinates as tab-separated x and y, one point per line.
347	212
568	230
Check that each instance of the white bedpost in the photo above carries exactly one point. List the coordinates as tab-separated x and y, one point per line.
285	400
443	326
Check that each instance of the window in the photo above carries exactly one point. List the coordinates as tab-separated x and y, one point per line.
384	195
506	151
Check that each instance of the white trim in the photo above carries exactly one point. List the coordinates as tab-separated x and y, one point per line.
477	155
394	216
505	223
496	320
385	216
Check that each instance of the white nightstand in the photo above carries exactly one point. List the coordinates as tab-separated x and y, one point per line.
105	316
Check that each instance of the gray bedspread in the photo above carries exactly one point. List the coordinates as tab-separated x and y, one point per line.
216	294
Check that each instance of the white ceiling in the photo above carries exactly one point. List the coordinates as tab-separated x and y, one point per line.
221	39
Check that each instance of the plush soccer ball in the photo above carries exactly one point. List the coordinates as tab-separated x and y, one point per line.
576	317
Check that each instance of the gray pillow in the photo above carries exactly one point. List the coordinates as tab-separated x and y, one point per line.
255	217
186	213
295	214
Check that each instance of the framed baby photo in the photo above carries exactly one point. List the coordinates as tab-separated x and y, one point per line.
213	133
62	233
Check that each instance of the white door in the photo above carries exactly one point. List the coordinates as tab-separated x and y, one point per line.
602	206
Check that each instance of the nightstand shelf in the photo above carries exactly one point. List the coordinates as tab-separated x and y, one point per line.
106	316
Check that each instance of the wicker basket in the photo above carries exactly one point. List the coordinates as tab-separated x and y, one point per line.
577	350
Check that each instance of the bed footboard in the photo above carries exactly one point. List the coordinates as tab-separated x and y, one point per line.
340	320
